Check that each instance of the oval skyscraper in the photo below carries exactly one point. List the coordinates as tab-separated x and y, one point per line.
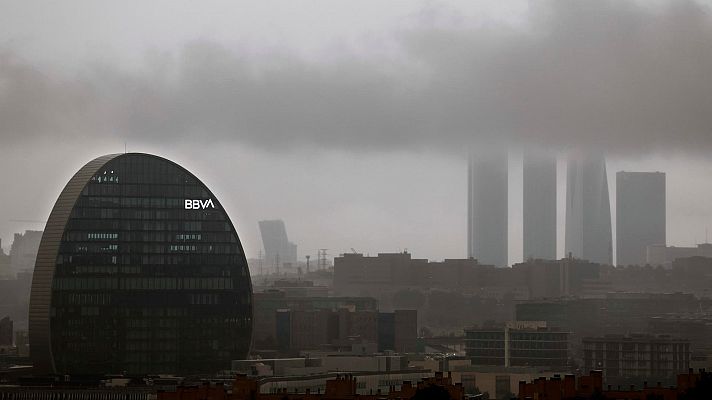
139	270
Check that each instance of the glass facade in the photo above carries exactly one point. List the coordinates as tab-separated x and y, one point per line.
150	275
518	348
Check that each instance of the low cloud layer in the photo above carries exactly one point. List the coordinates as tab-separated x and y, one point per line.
615	75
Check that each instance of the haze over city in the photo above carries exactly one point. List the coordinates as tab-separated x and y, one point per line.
356	200
342	120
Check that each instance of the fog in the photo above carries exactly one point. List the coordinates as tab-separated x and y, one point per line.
354	131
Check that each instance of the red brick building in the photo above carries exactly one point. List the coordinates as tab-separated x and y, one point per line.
341	388
591	386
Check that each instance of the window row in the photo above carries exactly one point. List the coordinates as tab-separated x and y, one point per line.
78	225
184	259
154	248
142	283
148	236
155	189
147	214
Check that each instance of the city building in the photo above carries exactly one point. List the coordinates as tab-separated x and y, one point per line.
139	270
293	287
94	387
268	302
15	298
22	343
77	393
398	331
355	273
499	382
640	215
279	251
588	210
488	208
335	386
614	314
24	250
539	206
518	344
690	385
694	327
558	278
336	362
626	359
662	255
299	330
6	332
5	271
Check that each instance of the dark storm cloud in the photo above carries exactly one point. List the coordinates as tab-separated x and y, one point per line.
612	74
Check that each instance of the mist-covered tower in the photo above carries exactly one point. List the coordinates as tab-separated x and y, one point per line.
539	205
640	215
588	209
279	251
487	205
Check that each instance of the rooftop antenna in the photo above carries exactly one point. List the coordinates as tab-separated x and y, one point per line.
124	147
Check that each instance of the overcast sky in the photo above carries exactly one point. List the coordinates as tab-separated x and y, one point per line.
350	120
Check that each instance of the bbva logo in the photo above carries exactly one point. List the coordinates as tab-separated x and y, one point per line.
198	204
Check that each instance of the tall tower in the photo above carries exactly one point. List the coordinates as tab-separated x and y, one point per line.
640	215
588	209
487	203
539	206
278	249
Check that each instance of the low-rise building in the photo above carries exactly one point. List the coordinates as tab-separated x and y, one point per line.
298	330
267	303
365	386
518	344
665	255
690	385
631	359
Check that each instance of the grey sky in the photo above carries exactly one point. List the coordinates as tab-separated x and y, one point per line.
348	120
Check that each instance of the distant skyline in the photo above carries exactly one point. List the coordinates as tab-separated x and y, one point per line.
391	202
349	121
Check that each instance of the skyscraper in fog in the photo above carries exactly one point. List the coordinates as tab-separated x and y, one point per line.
278	249
640	215
139	271
488	208
539	206
588	210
